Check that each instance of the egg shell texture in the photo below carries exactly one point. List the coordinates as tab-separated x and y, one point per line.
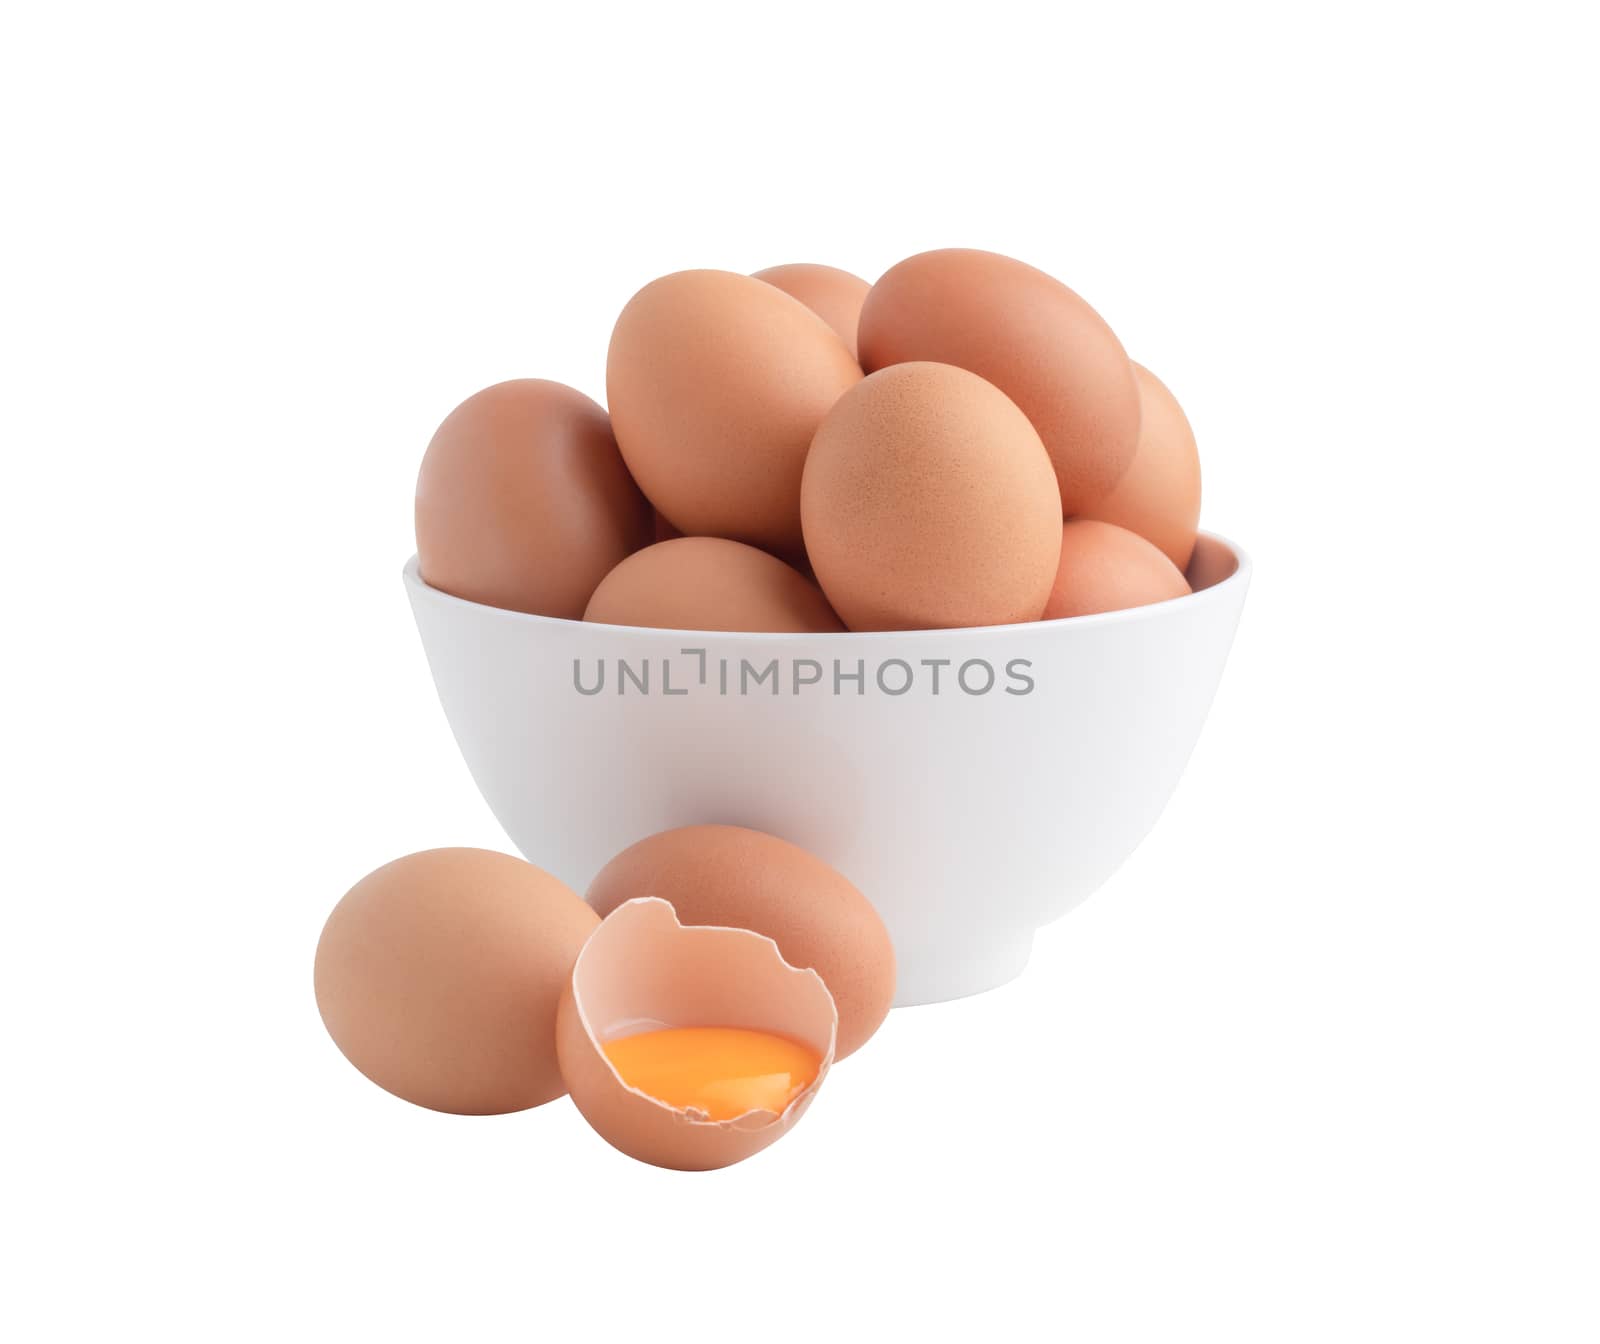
740	878
1107	568
1029	335
929	503
641	970
716	384
833	295
709	583
439	976
523	501
1159	496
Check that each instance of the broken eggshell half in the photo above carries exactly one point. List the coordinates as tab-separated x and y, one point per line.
642	970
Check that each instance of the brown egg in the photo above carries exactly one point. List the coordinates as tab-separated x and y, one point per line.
833	295
930	503
716	383
728	875
1030	336
439	975
643	971
708	583
523	501
1159	497
1107	568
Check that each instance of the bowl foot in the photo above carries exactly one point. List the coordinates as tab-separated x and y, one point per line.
957	970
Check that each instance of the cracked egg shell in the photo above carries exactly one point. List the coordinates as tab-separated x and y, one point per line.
642	970
747	879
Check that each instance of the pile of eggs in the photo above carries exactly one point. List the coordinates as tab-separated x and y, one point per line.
692	1003
963	443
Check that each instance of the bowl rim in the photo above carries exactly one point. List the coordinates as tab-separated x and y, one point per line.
1240	578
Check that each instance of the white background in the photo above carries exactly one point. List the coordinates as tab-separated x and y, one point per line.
1319	1063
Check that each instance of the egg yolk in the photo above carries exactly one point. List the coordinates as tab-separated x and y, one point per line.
722	1071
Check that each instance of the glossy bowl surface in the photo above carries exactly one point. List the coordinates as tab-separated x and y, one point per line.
975	784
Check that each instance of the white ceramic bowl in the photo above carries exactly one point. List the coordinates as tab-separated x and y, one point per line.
1018	769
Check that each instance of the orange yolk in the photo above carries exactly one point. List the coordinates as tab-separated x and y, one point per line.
723	1071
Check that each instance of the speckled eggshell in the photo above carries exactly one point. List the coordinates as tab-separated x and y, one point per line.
439	975
745	879
523	501
1107	568
1159	497
716	384
929	503
1030	336
708	583
833	295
